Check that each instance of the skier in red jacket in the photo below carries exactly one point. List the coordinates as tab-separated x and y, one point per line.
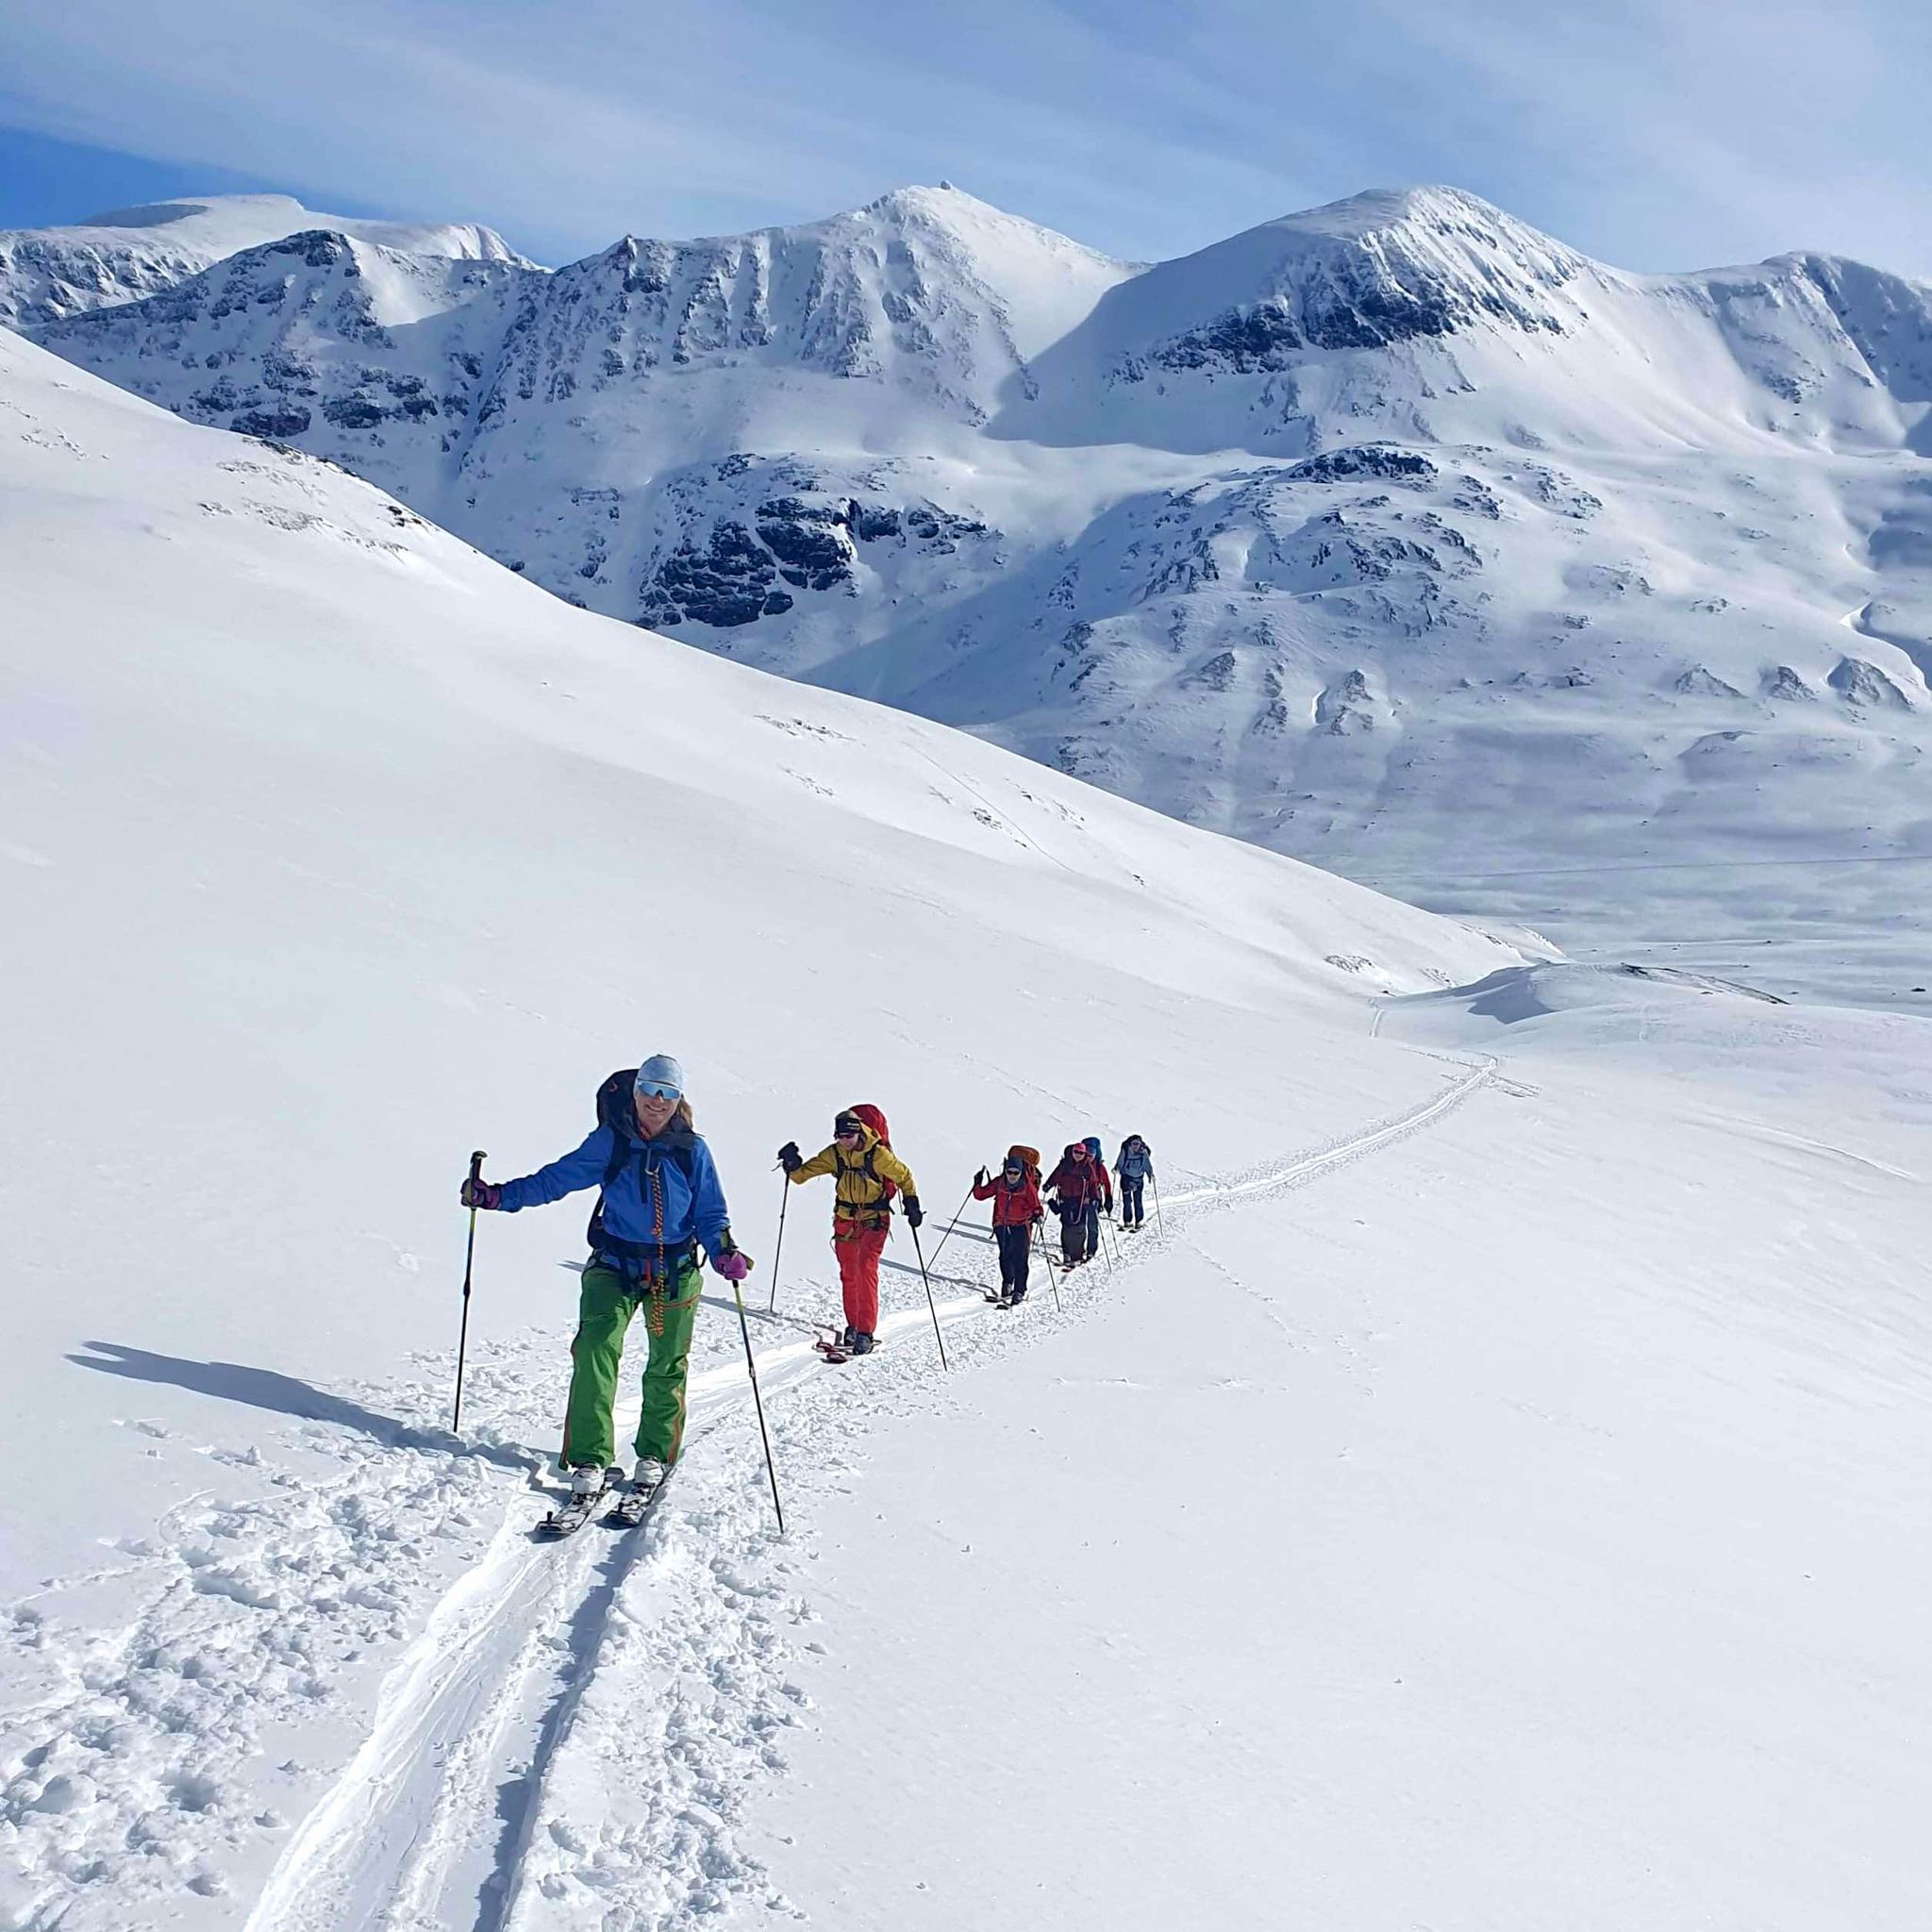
1014	1192
1078	1185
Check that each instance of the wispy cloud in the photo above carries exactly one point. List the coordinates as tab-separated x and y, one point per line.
1654	135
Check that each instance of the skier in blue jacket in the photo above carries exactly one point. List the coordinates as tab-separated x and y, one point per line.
658	1199
1134	1166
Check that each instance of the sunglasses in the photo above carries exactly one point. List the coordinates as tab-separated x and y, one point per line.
846	1134
656	1089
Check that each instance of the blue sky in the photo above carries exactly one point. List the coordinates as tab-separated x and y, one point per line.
1655	134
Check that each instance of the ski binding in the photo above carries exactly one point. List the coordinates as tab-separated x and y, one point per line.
571	1514
635	1506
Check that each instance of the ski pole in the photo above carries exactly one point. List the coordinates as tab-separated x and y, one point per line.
930	1301
476	1160
1159	1226
784	1202
948	1235
1050	1281
758	1402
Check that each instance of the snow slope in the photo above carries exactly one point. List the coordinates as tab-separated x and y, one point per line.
1488	1496
1393	534
48	274
344	851
1512	1540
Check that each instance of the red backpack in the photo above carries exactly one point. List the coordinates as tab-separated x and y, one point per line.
876	1120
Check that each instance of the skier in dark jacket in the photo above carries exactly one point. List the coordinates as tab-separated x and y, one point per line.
1134	1166
1102	1203
1075	1186
1014	1192
658	1198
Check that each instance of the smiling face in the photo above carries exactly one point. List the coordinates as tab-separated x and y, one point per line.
654	1111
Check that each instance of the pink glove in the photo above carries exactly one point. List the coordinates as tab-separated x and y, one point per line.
732	1265
482	1194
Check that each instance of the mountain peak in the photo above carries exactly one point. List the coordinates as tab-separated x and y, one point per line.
1374	209
943	200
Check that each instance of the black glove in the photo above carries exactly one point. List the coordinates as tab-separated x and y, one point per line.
915	1213
788	1156
979	1179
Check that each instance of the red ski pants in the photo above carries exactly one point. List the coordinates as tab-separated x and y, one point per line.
858	1249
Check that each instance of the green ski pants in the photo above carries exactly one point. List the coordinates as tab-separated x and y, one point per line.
604	1315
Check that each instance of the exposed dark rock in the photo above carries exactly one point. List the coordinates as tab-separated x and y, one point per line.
808	540
1859	683
939	530
217	399
273	424
1247	340
1474	495
870	521
1370	459
1216	674
1346	707
280	371
353	413
1699	683
727	584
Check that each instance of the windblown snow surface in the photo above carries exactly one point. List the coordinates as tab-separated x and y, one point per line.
1490	1494
1394	535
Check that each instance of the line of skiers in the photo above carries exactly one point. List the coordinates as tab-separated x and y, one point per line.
659	1201
1078	1191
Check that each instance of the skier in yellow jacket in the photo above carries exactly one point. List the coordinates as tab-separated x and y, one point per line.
866	1172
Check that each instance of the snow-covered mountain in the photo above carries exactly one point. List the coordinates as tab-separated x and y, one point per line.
1496	1474
48	274
1393	535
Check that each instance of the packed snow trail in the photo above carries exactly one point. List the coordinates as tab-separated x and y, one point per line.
446	1816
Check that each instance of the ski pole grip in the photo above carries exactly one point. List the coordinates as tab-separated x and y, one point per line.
476	1160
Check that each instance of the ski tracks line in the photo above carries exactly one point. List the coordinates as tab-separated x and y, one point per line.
572	1739
635	1736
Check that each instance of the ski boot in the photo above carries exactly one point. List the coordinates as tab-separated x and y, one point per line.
634	1504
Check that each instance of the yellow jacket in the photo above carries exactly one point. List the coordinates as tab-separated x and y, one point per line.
862	1177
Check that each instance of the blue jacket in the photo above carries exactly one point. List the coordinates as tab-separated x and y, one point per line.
665	1189
1135	1164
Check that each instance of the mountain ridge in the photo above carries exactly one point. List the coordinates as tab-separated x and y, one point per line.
1393	534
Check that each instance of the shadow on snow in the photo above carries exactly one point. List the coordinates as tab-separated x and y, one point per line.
286	1395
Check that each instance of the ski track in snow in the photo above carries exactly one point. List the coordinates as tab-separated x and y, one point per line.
574	1735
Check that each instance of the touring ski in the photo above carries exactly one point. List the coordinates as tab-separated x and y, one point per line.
835	1348
635	1506
570	1515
